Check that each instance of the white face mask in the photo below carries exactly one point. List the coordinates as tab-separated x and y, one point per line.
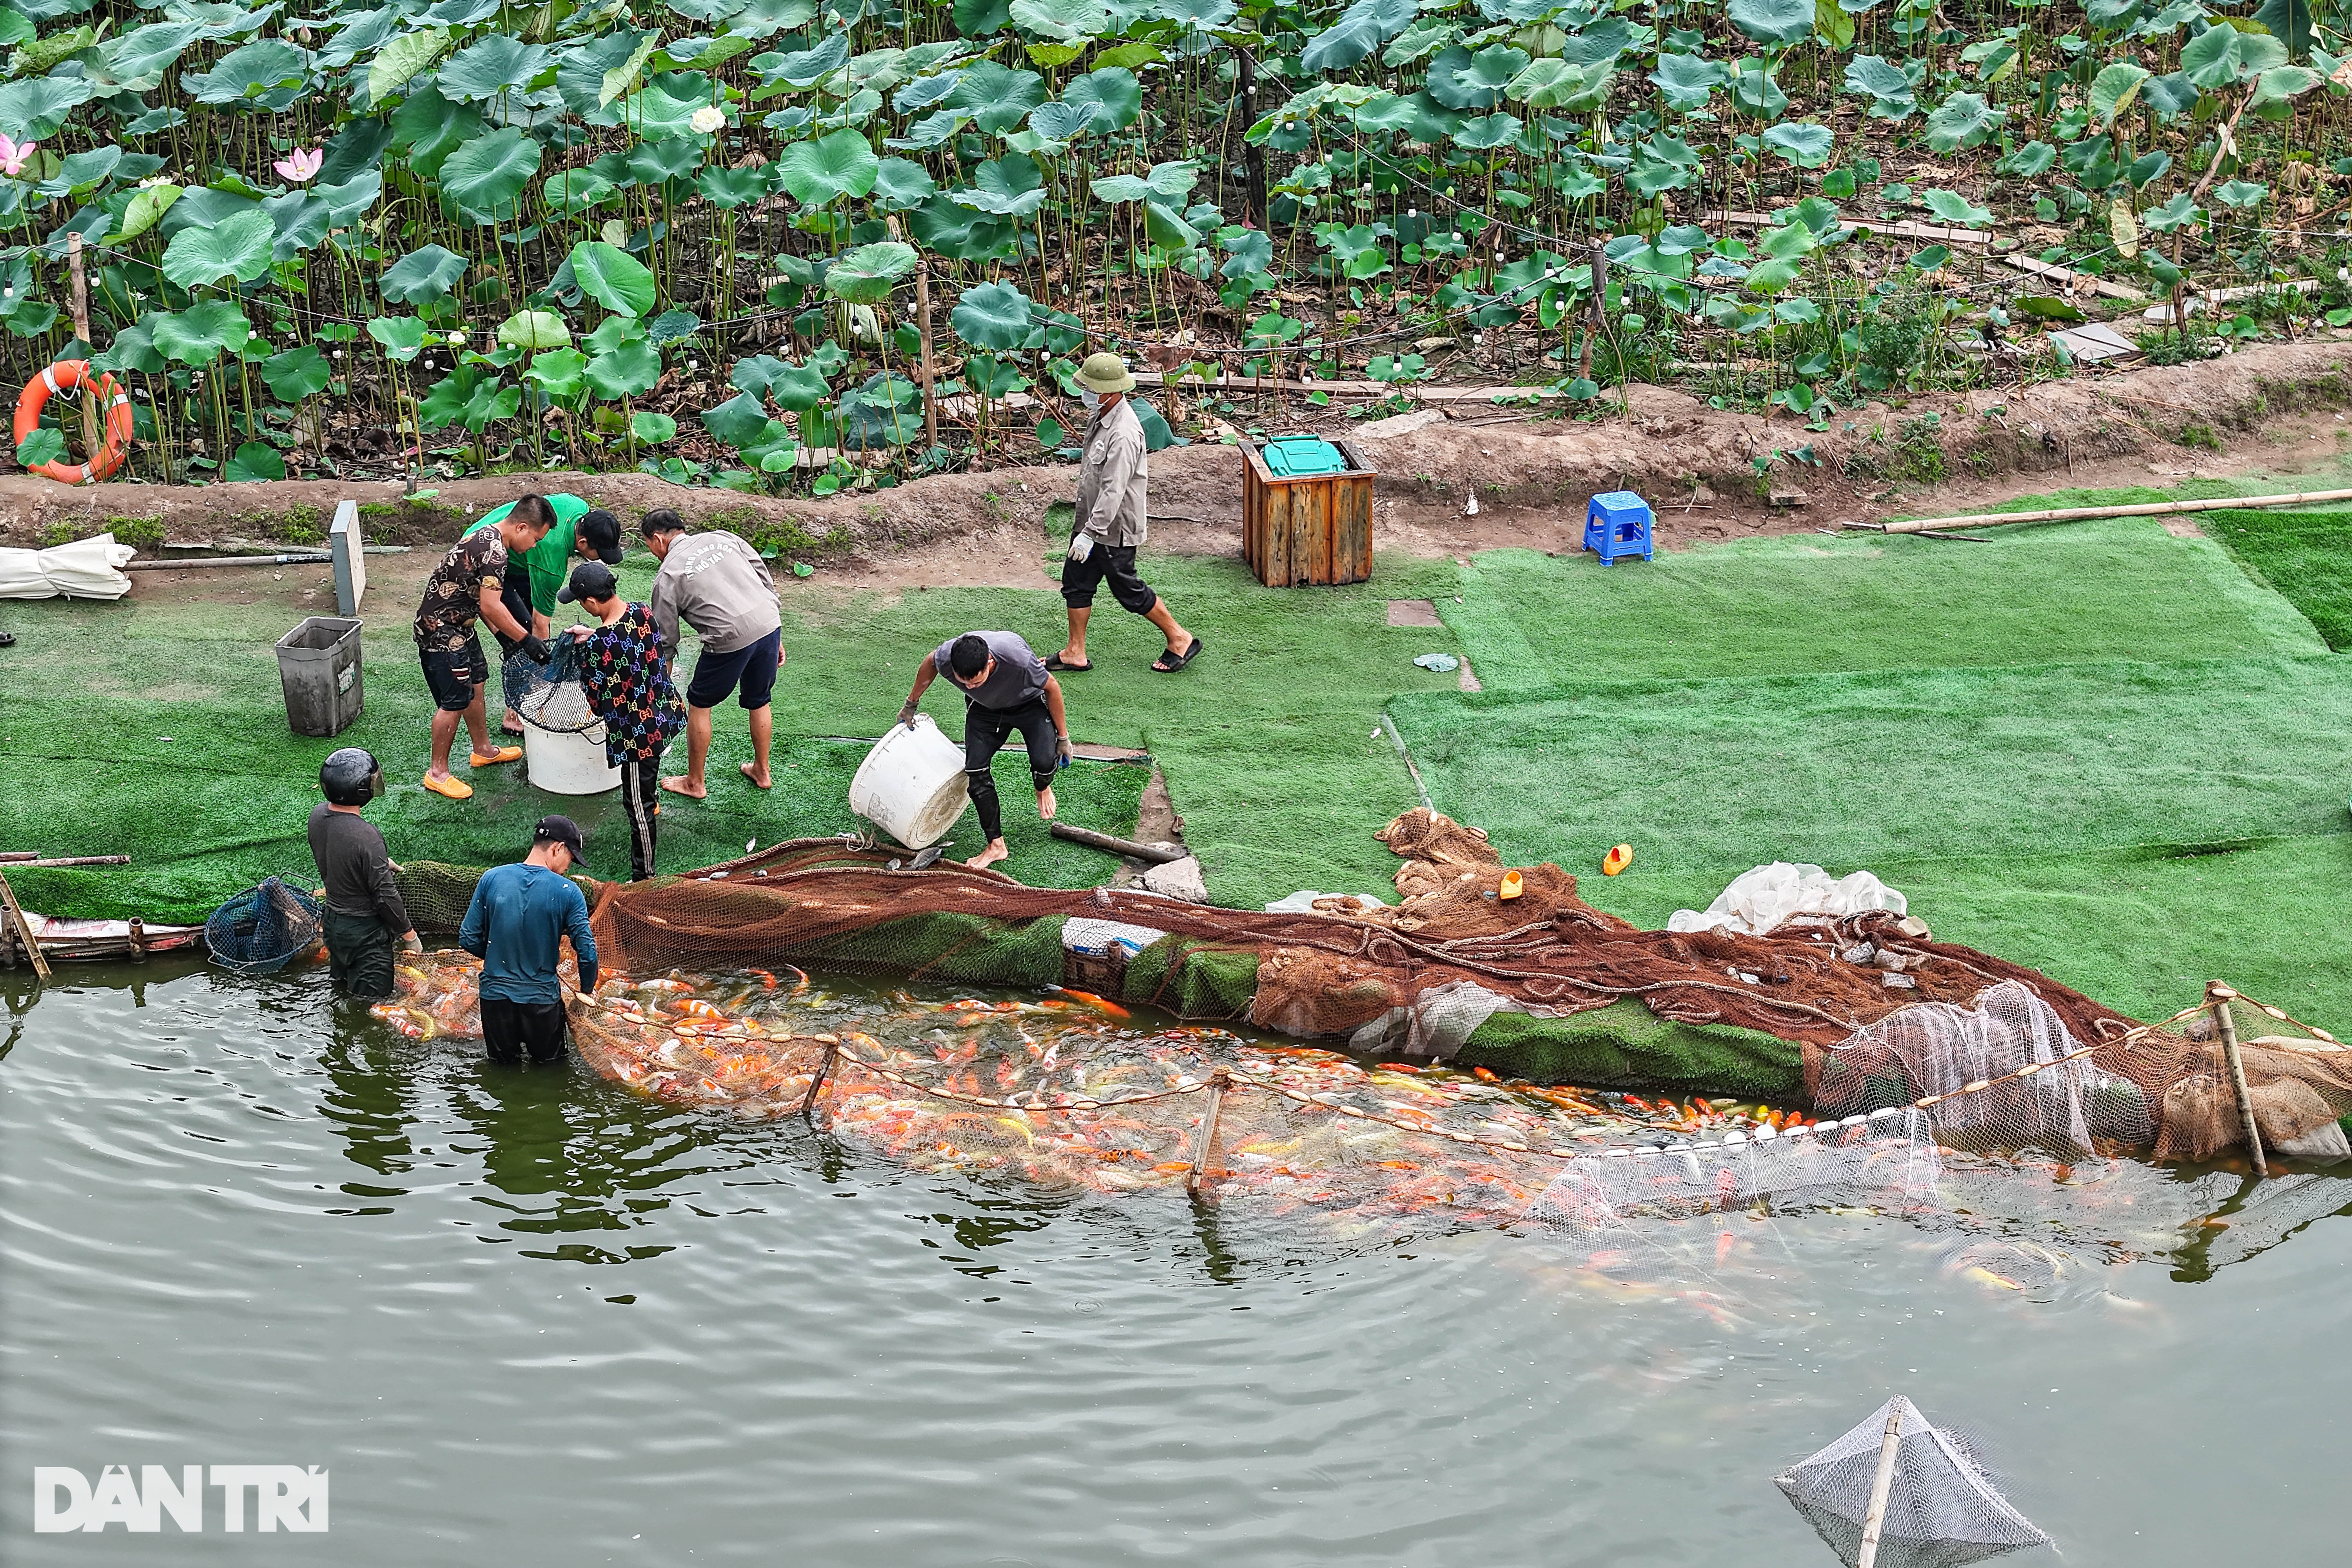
1091	398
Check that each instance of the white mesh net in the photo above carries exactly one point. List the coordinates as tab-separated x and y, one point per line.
2004	1074
1942	1508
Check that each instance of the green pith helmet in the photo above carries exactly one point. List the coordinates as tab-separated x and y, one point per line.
1104	373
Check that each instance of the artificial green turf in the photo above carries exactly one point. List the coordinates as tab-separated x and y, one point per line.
85	768
2305	555
1854	768
1268	742
2114	588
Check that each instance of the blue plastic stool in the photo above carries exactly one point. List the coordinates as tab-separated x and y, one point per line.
1617	524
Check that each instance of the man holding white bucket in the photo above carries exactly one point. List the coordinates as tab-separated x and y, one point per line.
1005	688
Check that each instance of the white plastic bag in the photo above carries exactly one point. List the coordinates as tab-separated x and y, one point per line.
85	569
1769	896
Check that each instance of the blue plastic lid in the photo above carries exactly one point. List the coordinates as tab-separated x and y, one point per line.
1298	457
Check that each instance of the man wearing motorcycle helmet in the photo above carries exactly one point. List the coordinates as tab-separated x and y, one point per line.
359	907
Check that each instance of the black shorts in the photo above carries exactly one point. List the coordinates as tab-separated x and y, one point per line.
452	676
751	668
509	1028
1115	562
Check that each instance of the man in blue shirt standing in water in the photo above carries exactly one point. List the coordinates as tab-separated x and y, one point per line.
518	916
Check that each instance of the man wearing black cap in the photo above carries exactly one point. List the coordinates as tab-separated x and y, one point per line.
575	531
518	916
628	685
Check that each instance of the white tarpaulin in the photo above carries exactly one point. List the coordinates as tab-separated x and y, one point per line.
86	569
1759	899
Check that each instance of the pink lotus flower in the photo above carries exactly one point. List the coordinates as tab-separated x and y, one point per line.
300	166
12	156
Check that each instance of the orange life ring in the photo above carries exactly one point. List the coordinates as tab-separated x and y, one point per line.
64	375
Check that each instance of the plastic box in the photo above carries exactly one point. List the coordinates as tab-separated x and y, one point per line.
319	665
1303	456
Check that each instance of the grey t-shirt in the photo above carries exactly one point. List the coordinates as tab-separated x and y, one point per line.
1019	676
718	585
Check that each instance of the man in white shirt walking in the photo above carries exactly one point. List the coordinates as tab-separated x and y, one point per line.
1112	521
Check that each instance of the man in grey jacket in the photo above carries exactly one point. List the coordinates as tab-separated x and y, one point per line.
718	585
1111	522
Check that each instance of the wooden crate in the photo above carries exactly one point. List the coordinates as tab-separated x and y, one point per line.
1309	530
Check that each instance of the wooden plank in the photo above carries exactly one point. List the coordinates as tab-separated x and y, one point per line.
1902	228
1352	556
1274	547
1322	523
2062	276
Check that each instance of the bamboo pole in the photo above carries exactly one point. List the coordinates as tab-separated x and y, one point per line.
1218	1080
816	1079
923	315
45	863
2135	508
305	559
1881	1485
87	395
2220	995
15	915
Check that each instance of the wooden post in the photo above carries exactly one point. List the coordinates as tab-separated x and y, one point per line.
1881	1485
1253	155
1600	303
1218	1080
2220	995
24	928
817	1083
91	445
923	310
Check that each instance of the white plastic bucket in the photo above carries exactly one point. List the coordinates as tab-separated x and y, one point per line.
912	784
562	763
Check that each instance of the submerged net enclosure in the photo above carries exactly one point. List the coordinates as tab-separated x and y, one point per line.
1848	1014
263	929
1973	1093
1898	1491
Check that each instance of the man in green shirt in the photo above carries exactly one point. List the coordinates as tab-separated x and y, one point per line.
575	531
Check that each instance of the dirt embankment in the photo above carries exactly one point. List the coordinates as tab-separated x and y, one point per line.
1528	477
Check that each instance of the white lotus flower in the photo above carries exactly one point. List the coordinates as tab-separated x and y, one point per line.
457	339
706	119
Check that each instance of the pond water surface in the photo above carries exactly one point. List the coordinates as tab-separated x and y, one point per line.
533	1317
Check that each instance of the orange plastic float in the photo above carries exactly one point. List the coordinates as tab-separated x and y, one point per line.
1513	886
1617	860
65	377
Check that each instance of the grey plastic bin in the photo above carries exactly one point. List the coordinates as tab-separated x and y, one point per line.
319	665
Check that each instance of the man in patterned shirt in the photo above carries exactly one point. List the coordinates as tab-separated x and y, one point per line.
630	689
469	585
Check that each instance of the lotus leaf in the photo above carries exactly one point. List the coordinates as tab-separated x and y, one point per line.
820	172
423	276
534	330
485	178
239	247
867	274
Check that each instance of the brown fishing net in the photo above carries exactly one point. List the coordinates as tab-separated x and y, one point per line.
1869	1011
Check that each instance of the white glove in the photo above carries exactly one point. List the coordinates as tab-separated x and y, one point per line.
1081	546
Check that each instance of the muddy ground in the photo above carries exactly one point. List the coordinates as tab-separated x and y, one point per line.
2265	408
